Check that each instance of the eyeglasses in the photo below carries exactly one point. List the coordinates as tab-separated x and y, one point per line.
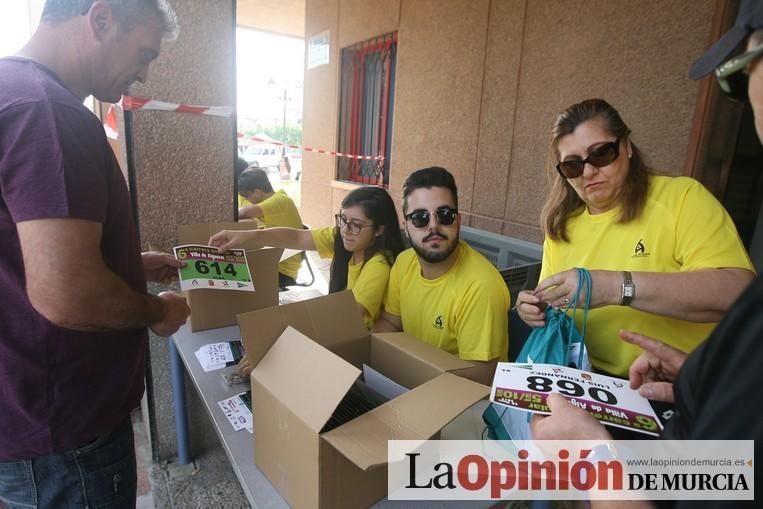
353	227
445	216
732	82
601	156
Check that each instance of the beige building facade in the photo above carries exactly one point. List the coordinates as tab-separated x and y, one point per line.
479	84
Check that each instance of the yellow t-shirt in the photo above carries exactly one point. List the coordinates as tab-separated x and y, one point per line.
279	210
464	311
368	281
683	228
243	202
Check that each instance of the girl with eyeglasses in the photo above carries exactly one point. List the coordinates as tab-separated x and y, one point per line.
665	258
363	246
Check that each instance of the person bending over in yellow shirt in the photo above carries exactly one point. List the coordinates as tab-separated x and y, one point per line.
240	166
441	290
665	257
271	209
363	246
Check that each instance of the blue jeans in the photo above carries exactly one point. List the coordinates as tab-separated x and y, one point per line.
101	474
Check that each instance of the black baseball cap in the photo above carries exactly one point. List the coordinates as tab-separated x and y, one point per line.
749	19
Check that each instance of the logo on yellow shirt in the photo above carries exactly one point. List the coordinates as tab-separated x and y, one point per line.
640	250
438	323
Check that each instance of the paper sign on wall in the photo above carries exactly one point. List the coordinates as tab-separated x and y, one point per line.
318	50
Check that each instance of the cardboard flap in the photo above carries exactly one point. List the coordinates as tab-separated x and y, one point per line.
307	378
328	320
416	415
288	253
420	350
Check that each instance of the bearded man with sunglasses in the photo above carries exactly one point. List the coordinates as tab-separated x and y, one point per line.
441	290
714	387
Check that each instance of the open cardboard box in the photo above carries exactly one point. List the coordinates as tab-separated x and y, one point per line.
218	308
307	355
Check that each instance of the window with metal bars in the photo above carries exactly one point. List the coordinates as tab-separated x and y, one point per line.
365	110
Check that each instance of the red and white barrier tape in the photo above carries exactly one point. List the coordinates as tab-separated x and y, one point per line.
132	103
310	149
110	123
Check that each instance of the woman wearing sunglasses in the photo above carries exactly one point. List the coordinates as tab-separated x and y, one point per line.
363	246
665	258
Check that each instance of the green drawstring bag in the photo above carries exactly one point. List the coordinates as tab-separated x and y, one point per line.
559	343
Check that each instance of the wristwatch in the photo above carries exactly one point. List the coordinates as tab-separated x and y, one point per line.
629	289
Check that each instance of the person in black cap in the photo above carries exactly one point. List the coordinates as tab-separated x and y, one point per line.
714	387
739	77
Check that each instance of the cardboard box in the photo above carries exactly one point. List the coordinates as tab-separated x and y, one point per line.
218	308
306	357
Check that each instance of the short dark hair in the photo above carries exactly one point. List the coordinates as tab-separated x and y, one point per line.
252	179
127	12
427	178
240	166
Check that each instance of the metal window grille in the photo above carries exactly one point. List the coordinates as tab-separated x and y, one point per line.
365	109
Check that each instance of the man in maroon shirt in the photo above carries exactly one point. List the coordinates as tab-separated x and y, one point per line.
73	302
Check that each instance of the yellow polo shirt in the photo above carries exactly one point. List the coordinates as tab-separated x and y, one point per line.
368	281
464	311
243	202
279	210
683	228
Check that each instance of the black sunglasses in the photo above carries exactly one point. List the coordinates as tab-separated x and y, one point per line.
420	217
600	156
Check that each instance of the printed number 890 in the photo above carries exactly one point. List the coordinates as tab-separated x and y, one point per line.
570	388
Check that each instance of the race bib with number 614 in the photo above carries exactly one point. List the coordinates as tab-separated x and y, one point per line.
206	268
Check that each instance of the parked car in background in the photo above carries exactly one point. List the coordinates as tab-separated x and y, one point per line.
264	155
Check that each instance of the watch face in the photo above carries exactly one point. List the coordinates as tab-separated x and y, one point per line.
628	291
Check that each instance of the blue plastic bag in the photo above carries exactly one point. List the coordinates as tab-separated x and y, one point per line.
558	342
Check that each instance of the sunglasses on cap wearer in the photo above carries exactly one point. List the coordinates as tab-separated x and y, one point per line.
353	227
419	218
731	80
602	155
